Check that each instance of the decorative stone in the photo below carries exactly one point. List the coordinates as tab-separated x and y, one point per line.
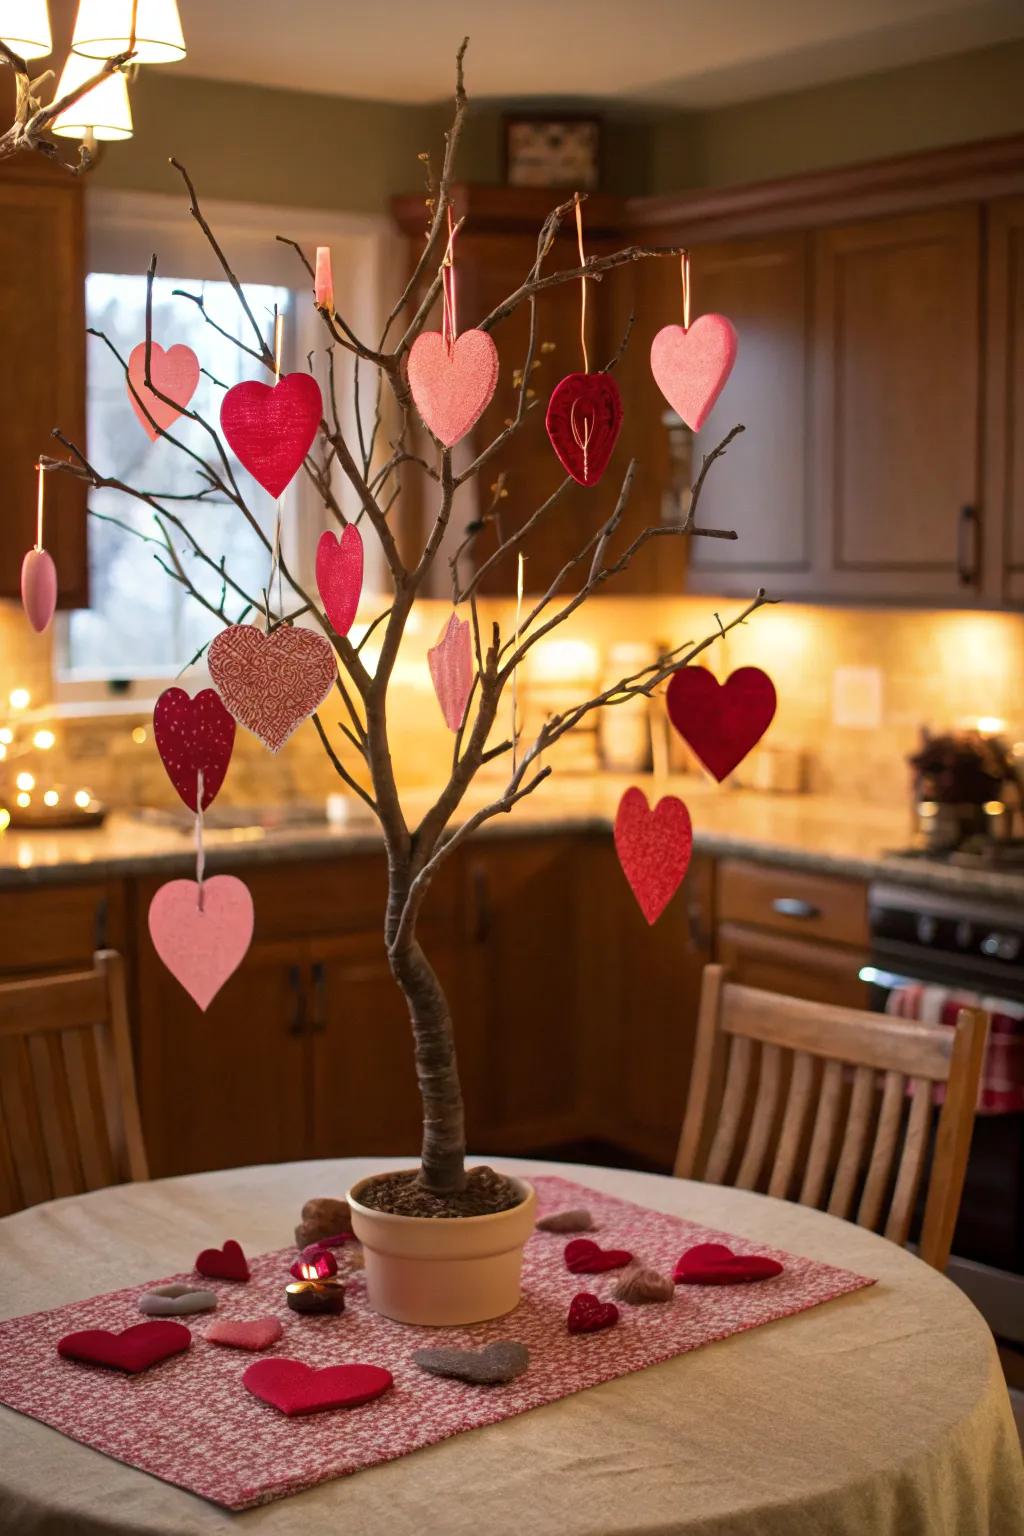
639	1285
501	1361
322	1218
251	1333
566	1221
176	1301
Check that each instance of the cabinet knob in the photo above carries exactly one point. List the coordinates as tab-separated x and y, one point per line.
795	906
297	1026
967	532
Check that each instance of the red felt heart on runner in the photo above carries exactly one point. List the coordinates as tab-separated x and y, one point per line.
227	1263
202	944
295	1388
175	373
589	1314
583	420
193	736
38	588
452	385
585	1257
251	1333
721	722
271	683
691	367
271	427
133	1349
715	1264
654	848
339	575
451	670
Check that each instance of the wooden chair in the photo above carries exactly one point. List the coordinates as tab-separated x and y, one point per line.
69	1119
811	1101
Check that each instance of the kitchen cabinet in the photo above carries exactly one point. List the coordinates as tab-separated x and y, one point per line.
59	928
1004	397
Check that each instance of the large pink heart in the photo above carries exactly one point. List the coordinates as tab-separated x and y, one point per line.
451	668
339	575
654	848
38	588
193	736
202	946
691	367
452	386
721	722
174	373
271	427
271	683
294	1388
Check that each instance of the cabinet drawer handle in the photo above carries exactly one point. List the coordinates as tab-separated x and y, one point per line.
967	547
794	906
298	1020
319	1023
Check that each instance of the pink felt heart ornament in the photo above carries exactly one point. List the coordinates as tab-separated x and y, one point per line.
715	1264
451	668
248	1333
38	588
295	1388
452	385
134	1349
202	944
175	373
583	420
589	1314
691	367
721	722
339	575
225	1263
653	848
271	427
193	736
585	1257
271	683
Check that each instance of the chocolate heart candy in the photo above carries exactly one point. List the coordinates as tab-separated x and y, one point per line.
176	1301
589	1314
566	1221
639	1285
584	1257
503	1360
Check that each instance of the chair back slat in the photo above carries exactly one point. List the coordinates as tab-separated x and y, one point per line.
49	1082
855	1138
912	1160
737	1084
794	1122
819	1158
953	1136
883	1152
765	1109
21	1120
53	1002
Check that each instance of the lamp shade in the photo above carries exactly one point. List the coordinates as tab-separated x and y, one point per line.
25	27
103	28
104	112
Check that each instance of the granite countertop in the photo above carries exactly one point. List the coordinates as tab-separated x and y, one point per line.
811	832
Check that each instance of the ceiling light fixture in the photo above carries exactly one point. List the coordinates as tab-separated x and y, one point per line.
25	27
104	112
104	28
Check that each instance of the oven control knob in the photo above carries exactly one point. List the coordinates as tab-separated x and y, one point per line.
927	928
1001	946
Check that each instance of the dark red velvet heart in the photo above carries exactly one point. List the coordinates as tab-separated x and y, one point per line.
227	1263
585	1257
271	427
721	722
133	1349
583	420
715	1264
193	735
296	1388
589	1314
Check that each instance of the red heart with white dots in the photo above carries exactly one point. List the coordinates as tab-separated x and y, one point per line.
194	736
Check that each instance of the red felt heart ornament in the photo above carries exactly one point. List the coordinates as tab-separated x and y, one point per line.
589	1314
339	575
654	848
715	1264
271	683
295	1388
271	427
452	385
193	736
227	1263
691	367
175	373
133	1349
721	722
585	1257
583	420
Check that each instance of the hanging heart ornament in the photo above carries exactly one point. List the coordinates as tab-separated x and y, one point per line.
583	421
451	670
721	722
271	683
175	373
202	943
193	736
691	366
271	427
452	383
654	848
38	588
339	575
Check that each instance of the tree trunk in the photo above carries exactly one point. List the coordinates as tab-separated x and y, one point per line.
444	1129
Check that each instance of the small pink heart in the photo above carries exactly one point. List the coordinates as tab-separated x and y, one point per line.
452	386
202	946
175	373
271	683
691	367
339	575
451	667
654	848
253	1333
38	588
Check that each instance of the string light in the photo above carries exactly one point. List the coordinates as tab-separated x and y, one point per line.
23	799
83	799
51	797
25	781
19	698
44	740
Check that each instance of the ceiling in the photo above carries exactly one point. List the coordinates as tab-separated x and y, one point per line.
676	53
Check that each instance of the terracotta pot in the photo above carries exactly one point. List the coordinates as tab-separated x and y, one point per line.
443	1272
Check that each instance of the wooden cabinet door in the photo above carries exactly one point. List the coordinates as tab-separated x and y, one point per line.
1004	396
896	389
824	973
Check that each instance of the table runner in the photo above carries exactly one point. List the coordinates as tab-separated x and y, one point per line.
191	1422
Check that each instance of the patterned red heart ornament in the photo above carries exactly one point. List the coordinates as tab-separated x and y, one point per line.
271	683
721	722
715	1264
451	670
452	386
271	427
133	1349
589	1314
654	848
583	420
691	367
339	575
38	588
193	735
202	945
296	1388
252	1333
585	1257
227	1263
175	373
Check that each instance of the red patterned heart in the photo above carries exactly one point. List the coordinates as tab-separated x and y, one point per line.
227	1263
133	1349
715	1264
721	722
589	1314
584	1257
249	1333
271	683
691	367
193	735
296	1388
654	848
175	373
271	427
339	575
452	385
583	420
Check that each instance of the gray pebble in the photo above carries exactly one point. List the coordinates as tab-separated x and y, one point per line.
503	1360
176	1301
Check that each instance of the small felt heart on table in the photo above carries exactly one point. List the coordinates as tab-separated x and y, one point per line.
583	421
452	384
653	848
715	1264
566	1221
294	1388
271	683
691	367
202	945
271	427
721	722
227	1263
193	736
589	1314
176	1301
133	1349
175	373
250	1333
584	1257
38	588
501	1361
339	575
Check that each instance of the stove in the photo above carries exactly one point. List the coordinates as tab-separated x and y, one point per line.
974	853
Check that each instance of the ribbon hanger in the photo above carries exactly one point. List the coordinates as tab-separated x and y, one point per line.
200	851
684	269
275	555
583	425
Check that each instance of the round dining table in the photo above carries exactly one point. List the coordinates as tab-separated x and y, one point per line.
881	1413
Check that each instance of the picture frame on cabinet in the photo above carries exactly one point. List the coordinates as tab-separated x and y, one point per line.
553	149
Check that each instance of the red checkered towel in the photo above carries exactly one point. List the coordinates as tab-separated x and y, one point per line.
1001	1090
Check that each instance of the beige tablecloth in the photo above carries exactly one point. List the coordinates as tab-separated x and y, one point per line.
880	1414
